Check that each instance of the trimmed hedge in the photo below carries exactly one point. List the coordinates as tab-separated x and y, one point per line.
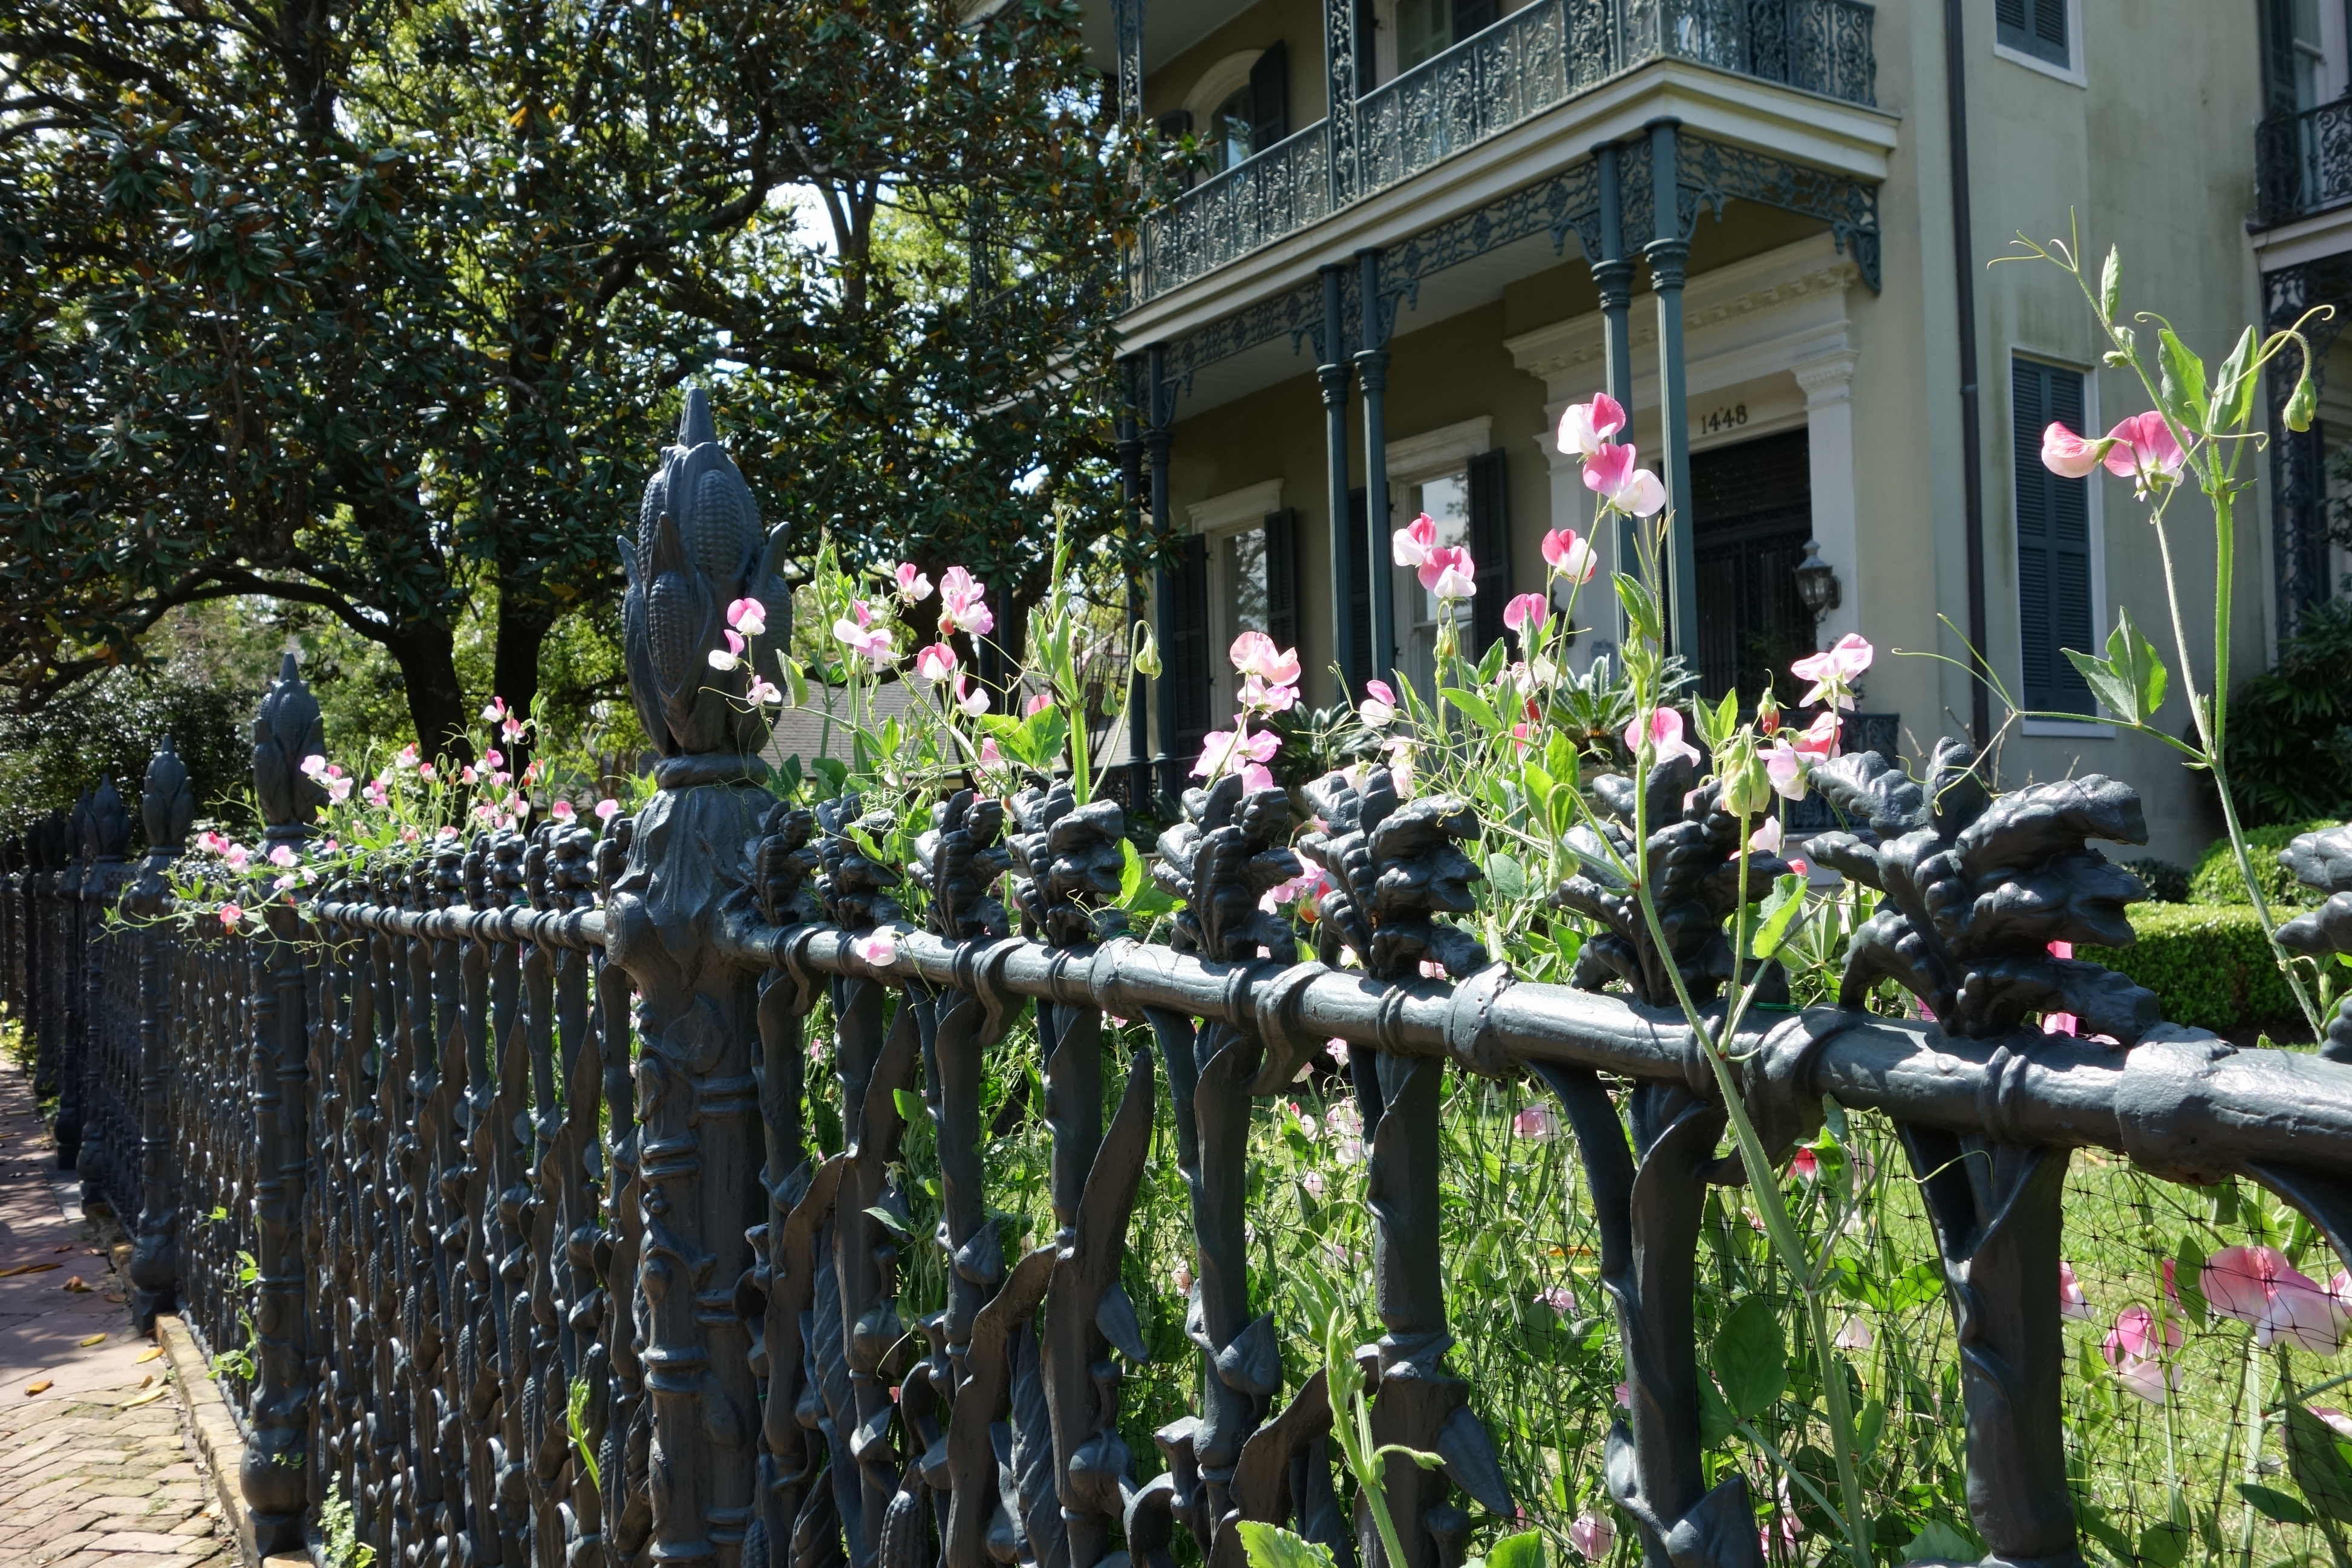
2215	880
2210	964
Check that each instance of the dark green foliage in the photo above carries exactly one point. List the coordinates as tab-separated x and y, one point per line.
2216	878
111	729
2210	964
2166	882
2289	746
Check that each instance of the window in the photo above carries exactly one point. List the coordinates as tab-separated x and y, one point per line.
1239	574
1241	106
2310	55
1424	29
1468	504
2053	541
2035	27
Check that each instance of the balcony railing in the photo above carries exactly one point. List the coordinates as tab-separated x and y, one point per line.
2302	163
1530	62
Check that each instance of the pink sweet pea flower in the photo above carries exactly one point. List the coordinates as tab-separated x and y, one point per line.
562	811
1378	707
495	712
237	856
2336	1418
969	700
1037	704
764	692
1411	545
1591	1536
1539	1123
963	604
1256	776
1585	428
2067	455
877	948
1226	749
858	632
988	752
1449	572
1799	867
1766	840
2138	1359
1257	696
1785	766
2145	453
1526	614
232	915
1559	1298
1569	556
2072	1302
913	586
2257	1285
1664	728
1819	738
283	856
748	616
1833	671
408	758
1805	1165
1855	1336
607	808
1255	653
313	765
731	656
1610	474
339	790
936	661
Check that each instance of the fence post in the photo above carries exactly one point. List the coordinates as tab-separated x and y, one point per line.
167	807
73	1041
276	1476
697	550
106	835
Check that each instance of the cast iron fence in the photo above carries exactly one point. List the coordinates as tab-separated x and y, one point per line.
1535	59
491	1179
2302	163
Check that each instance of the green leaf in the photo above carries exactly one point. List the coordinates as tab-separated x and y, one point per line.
1641	605
1046	731
1915	1286
889	1221
2312	1459
2131	681
796	682
1938	1542
2187	1272
1749	1357
2273	1504
1130	871
1868	1430
1524	1550
1271	1546
1715	1421
2182	382
1479	711
1510	878
2111	285
910	1105
2163	1543
1781	907
2233	391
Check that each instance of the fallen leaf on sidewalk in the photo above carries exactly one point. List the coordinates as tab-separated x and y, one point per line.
93	1340
29	1268
149	1355
147	1398
74	1283
42	1386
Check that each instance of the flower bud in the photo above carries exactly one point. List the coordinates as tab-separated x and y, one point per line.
1747	787
1147	655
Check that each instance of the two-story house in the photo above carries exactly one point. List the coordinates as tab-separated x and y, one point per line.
1764	226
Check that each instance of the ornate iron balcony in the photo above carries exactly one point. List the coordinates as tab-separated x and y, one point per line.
1530	62
2302	163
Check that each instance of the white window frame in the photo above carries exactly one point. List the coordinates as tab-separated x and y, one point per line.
2070	73
1412	460
1216	519
2094	521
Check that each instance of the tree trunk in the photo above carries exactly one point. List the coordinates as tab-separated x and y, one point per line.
426	655
524	622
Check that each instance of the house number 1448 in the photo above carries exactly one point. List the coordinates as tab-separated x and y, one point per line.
1730	416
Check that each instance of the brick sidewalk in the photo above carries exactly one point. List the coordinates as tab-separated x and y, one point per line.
95	1465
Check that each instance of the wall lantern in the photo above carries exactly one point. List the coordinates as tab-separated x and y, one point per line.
1817	582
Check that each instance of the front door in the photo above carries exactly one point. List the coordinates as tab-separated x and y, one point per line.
1751	513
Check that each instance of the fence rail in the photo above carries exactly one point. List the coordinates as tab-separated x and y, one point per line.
1534	59
2302	163
491	1176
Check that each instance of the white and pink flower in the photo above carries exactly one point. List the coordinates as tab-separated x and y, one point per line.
1449	572
1378	707
913	587
877	947
2069	455
1664	732
963	604
1525	615
1569	556
864	638
2072	1302
1591	1536
1833	671
1411	545
2143	450
1227	751
1610	474
2141	1360
2257	1285
1586	427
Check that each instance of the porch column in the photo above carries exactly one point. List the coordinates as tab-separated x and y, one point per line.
1346	61
1130	494
1612	274
1668	253
1373	363
1332	377
1127	23
1828	445
1158	413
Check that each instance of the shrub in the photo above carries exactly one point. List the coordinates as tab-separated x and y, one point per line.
2166	882
2290	736
2210	965
2215	880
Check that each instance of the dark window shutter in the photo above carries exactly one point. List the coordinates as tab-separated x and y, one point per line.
1368	68
1269	97
1282	577
1490	547
1473	17
2036	28
2278	55
2053	541
1359	662
1188	648
1176	123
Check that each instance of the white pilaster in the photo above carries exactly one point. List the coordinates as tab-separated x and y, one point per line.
1828	384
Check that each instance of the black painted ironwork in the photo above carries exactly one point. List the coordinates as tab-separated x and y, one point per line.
524	1289
1532	61
2302	163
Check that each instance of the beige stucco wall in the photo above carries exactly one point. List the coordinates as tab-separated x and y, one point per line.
1297	23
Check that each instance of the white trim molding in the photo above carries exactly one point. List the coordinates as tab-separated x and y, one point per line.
1218	83
1247	505
1412	458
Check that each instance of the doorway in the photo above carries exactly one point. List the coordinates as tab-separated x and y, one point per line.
1751	513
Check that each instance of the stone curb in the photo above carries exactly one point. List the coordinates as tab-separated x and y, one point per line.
219	1444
